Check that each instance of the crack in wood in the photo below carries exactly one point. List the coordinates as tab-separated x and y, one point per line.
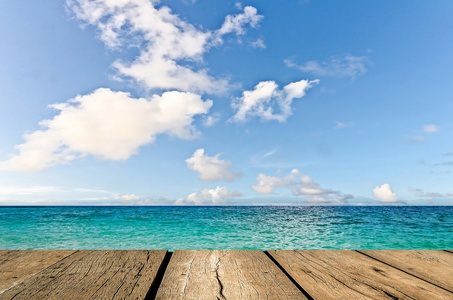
218	278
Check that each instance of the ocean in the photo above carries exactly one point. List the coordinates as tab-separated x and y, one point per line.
314	227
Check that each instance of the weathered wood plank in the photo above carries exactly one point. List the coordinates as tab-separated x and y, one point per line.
18	265
10	255
346	274
7	255
2	252
115	274
225	274
435	266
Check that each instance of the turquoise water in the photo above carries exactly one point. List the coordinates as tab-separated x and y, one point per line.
226	228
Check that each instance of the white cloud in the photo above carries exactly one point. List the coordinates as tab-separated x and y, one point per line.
263	99
330	199
211	168
165	41
420	138
217	196
136	200
259	43
337	66
430	128
420	193
385	193
211	120
158	72
29	190
73	196
109	125
341	125
300	185
51	195
236	23
113	125
127	198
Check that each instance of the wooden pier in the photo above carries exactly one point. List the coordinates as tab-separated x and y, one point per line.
226	274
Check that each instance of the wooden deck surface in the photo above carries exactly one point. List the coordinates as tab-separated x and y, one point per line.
226	274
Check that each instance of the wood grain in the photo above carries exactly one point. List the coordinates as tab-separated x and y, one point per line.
11	254
346	274
225	274
116	274
2	252
16	265
435	266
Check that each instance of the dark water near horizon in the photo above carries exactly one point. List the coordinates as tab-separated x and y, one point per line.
315	227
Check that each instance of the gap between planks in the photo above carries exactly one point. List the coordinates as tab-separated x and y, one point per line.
307	294
152	293
303	270
100	274
154	287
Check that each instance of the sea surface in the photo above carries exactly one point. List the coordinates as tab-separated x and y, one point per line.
428	227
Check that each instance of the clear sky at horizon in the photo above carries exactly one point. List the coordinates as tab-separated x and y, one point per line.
183	102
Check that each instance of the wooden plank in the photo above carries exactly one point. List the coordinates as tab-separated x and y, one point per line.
10	255
346	274
116	274
2	252
18	265
225	274
435	266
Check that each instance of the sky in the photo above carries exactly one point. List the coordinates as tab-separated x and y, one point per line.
197	102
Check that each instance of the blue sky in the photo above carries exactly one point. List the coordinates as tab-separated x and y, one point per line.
179	102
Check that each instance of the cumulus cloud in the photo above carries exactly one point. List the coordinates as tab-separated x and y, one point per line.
265	97
385	193
107	124
300	185
337	66
166	42
236	23
420	193
430	128
217	196
211	168
113	125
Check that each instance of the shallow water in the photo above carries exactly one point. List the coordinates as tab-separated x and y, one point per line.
226	227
